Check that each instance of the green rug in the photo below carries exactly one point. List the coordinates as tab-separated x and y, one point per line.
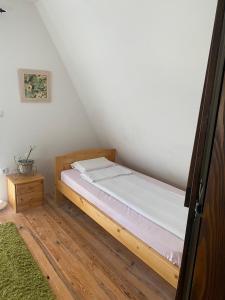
20	276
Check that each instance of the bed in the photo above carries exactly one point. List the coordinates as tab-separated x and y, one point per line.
158	247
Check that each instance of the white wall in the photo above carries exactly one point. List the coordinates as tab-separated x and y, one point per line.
139	68
54	128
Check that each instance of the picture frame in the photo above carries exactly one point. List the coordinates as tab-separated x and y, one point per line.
34	85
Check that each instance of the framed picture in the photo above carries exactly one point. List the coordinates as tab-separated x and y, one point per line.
34	86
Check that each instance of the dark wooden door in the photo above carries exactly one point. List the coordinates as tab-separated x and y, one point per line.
203	264
209	270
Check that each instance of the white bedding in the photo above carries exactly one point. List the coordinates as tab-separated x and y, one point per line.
91	164
163	207
105	173
158	238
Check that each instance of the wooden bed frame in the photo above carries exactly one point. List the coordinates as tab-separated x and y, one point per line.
152	258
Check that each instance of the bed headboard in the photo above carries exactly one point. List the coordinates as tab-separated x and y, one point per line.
63	162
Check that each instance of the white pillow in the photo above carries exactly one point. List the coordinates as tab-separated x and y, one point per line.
106	173
91	164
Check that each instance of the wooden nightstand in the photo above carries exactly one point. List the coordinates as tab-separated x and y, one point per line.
25	191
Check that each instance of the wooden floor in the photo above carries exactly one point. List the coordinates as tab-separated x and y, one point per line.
81	260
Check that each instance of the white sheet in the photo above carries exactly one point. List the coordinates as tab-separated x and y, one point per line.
105	173
158	238
161	206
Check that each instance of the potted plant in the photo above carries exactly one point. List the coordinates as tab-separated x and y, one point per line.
25	165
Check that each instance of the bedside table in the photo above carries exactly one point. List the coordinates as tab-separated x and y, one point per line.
25	191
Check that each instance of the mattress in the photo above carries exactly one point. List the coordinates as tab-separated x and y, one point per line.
163	241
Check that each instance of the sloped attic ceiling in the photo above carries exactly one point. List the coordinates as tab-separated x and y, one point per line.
139	68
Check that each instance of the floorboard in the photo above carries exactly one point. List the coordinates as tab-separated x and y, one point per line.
81	260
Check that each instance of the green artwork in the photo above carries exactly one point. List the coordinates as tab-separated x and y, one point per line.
36	86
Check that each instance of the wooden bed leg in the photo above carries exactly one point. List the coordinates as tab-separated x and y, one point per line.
59	197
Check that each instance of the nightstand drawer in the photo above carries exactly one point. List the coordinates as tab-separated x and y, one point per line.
30	198
32	187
